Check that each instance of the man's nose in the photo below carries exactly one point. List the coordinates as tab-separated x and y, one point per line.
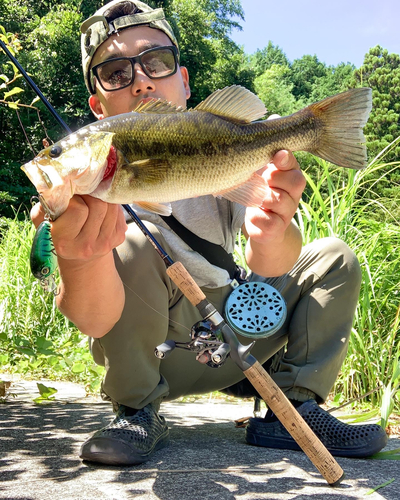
142	83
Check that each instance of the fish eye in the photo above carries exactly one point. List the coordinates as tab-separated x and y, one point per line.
55	151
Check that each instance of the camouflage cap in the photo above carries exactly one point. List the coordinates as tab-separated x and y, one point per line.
97	29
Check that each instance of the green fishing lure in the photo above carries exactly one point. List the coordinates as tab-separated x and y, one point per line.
43	258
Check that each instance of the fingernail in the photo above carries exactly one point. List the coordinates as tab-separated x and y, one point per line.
284	159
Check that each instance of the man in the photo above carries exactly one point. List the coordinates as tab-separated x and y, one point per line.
115	289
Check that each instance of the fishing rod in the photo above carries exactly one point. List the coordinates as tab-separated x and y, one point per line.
218	340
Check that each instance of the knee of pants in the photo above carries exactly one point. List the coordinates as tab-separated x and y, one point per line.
337	247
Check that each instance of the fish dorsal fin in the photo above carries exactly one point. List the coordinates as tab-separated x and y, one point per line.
158	106
234	103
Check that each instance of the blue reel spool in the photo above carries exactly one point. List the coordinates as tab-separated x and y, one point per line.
255	310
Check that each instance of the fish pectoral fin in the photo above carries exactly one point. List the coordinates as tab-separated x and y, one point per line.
251	193
234	103
150	170
158	208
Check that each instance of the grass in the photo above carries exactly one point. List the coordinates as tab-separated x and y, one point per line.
349	208
35	339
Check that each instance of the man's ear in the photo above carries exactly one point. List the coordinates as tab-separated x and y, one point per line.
185	79
96	107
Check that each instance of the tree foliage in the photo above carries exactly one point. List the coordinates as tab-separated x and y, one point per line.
263	59
275	89
381	72
212	58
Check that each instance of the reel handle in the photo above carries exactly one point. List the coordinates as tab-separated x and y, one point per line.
163	350
185	283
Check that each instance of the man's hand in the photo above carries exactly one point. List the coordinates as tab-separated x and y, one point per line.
286	184
273	241
88	229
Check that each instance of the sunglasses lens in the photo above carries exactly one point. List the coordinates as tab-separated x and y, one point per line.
159	63
115	74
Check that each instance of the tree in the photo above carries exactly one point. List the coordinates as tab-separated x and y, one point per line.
381	72
13	185
336	79
263	59
206	49
274	88
305	71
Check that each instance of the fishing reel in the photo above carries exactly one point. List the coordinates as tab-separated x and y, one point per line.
206	341
255	310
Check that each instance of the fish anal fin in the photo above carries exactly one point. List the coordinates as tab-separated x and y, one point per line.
234	103
251	193
158	208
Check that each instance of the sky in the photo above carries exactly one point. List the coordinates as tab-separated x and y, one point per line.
334	30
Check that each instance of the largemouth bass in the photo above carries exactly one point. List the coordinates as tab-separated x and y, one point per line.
159	153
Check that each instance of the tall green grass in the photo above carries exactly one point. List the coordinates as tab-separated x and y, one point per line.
35	339
344	204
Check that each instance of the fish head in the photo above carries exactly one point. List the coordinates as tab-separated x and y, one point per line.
74	165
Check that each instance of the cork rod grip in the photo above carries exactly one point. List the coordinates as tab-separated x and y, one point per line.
179	275
294	424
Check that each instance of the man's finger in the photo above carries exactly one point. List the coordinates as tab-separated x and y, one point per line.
284	160
37	214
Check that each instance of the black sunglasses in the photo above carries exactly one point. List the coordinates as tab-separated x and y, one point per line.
116	74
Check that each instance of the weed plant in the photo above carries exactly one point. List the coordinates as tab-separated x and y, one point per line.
349	208
343	203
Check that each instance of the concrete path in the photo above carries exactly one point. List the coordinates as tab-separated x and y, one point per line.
207	457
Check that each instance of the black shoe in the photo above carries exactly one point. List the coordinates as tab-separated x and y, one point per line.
342	440
131	438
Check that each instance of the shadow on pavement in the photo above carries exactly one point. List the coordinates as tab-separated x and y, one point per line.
207	458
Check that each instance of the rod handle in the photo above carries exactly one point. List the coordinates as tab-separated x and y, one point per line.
295	424
180	276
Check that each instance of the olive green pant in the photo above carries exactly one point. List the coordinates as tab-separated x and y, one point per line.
321	292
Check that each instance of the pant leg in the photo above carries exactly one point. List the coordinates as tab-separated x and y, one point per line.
321	292
155	311
127	351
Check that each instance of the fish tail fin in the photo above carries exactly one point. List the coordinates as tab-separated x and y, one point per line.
340	120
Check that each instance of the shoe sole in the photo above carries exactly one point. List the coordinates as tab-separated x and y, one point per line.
106	454
290	444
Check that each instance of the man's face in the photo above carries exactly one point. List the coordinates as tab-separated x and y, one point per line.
127	43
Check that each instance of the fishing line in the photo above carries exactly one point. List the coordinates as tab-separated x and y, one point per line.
155	310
